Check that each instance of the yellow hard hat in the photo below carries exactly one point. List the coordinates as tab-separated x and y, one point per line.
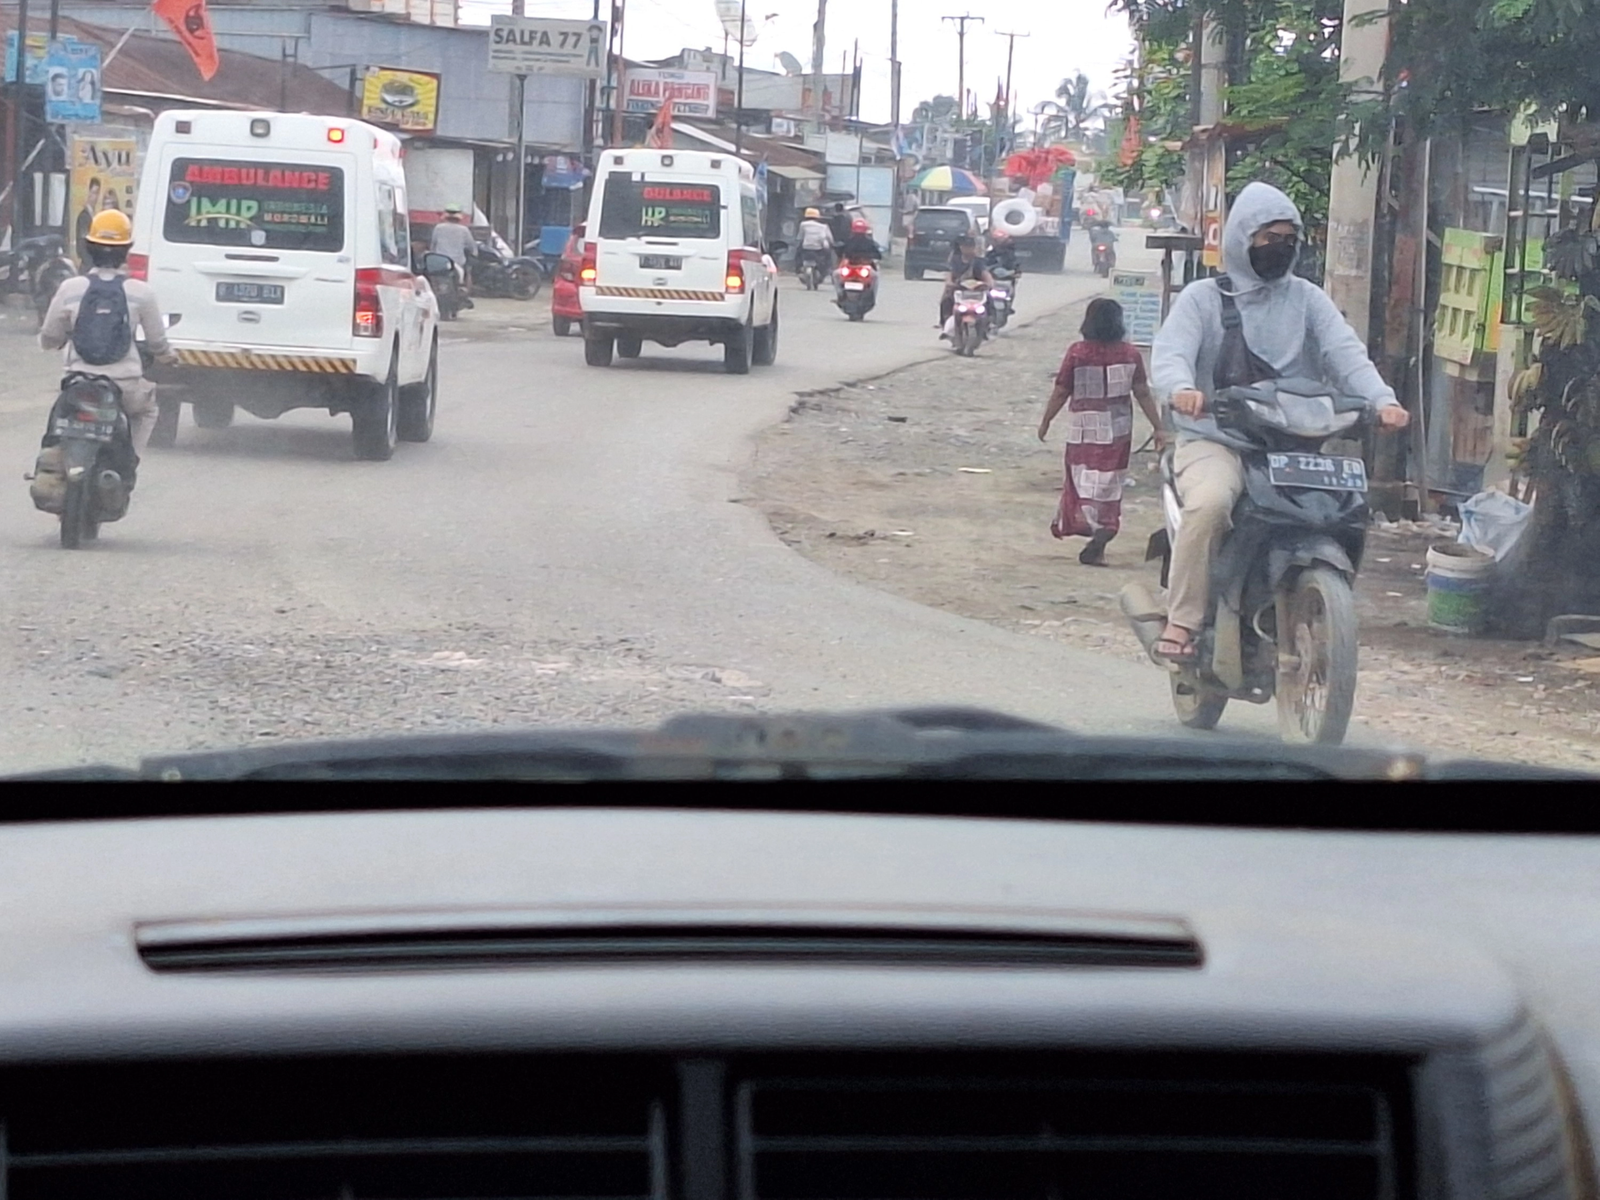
811	212
111	227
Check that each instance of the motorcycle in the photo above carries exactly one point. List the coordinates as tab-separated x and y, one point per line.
1103	250
38	266
440	272
811	269
969	321
1002	296
85	470
496	274
1283	619
858	289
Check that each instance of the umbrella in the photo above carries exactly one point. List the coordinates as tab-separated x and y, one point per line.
949	179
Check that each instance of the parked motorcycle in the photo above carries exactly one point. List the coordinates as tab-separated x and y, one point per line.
495	273
37	267
85	470
1283	620
858	289
1103	249
969	321
440	272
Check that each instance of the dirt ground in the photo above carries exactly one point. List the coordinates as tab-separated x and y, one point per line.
930	483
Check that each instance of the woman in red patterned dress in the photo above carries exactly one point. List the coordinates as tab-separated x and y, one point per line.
1099	379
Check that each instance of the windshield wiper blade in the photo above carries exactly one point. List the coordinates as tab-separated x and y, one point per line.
951	744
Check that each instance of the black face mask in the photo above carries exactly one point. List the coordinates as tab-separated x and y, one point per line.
1273	261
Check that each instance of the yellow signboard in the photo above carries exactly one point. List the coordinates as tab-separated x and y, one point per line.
105	174
405	100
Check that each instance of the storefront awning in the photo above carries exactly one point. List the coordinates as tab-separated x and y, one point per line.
794	172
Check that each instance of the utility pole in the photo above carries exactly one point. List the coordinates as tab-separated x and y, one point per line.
818	45
961	58
894	64
618	24
1011	47
19	133
738	104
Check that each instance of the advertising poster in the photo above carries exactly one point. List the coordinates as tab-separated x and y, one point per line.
403	100
1139	293
691	93
105	174
72	83
38	51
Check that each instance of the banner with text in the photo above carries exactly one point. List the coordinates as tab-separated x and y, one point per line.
691	93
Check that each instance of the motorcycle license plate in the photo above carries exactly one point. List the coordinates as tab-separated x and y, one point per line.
249	293
855	287
660	262
87	431
1323	472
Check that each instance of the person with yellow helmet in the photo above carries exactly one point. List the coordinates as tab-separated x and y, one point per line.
96	296
816	242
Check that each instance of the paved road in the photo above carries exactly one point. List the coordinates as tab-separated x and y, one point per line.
569	547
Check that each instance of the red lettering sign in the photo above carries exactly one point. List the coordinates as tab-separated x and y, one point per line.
275	178
703	195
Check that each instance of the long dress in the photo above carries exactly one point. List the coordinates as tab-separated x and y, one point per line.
1100	378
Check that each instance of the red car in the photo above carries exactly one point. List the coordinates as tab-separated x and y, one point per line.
565	309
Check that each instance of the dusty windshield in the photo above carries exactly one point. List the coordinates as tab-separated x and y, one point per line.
1181	369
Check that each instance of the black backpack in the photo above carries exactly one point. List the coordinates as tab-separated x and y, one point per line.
103	332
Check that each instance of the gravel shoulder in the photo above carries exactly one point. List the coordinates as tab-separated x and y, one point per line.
930	483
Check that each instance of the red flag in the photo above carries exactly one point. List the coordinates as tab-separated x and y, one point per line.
190	21
660	136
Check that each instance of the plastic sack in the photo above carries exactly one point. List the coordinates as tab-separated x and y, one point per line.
1493	522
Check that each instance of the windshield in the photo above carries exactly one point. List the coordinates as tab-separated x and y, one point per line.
270	205
641	208
686	462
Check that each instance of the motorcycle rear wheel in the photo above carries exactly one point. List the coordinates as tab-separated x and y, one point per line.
77	522
1197	706
1316	692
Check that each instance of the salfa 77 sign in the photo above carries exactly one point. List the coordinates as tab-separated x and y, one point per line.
542	46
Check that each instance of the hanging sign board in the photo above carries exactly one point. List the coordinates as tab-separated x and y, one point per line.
404	100
1139	293
542	46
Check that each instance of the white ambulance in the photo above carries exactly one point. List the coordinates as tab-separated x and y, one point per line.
675	254
278	247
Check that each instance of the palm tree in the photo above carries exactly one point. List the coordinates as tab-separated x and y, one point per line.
1078	106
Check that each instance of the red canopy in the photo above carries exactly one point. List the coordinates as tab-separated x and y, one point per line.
1036	166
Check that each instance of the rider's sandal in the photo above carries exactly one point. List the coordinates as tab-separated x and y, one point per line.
1181	653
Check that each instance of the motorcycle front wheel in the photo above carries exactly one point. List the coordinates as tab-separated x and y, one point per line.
1197	706
524	282
1318	649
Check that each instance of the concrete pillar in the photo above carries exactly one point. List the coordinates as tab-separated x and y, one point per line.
1353	196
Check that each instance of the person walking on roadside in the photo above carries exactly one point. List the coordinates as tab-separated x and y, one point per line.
1099	380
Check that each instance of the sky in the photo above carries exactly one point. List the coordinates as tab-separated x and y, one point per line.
1066	35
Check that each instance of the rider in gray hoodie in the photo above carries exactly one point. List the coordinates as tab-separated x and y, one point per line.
1288	322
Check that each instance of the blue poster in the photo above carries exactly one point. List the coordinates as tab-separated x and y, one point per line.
36	57
72	83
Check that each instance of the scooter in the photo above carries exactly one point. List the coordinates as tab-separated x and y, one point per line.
495	273
1103	243
440	272
1283	619
85	470
38	266
969	321
858	289
1002	296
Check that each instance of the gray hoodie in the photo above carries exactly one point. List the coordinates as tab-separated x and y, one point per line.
1289	322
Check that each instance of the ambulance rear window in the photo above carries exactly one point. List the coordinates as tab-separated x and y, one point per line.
269	205
652	208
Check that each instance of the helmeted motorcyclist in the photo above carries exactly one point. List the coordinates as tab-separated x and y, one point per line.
860	246
966	266
1293	328
816	242
453	238
1002	254
108	239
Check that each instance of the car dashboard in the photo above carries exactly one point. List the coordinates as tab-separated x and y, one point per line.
684	1004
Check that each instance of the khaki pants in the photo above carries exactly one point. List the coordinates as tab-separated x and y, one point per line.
1210	481
139	402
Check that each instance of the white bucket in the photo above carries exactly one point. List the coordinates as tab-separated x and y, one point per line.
1458	586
